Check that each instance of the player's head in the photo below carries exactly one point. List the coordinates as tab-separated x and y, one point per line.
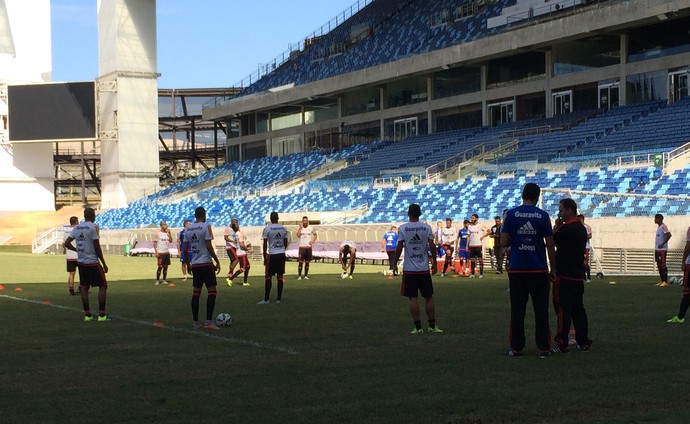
346	249
73	220
530	193
164	225
200	214
90	214
185	223
415	211
474	218
449	222
274	217
466	223
658	218
497	219
567	208
581	218
305	221
438	223
393	228
234	224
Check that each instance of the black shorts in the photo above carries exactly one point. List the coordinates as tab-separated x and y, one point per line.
71	266
163	259
275	264
304	254
475	252
92	275
413	282
660	258
203	274
232	253
346	258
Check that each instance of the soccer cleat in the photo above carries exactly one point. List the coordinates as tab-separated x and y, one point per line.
278	301
443	274
472	276
196	325
543	354
158	283
514	353
246	284
184	278
299	277
481	275
559	349
264	302
229	281
434	330
350	277
103	318
583	348
208	325
663	284
588	280
88	318
417	331
676	320
165	283
305	278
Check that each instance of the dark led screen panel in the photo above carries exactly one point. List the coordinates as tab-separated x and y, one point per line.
51	112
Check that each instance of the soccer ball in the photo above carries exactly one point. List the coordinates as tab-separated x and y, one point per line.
224	319
673	280
343	275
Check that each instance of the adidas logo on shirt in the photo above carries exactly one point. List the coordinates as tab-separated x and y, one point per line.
527	229
416	238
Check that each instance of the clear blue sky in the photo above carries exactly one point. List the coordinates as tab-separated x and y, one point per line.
201	44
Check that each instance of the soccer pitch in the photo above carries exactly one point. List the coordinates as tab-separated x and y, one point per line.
335	351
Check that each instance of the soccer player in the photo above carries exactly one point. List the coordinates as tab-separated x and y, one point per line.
494	233
588	274
527	230
449	236
242	259
414	237
307	237
198	240
388	244
275	238
660	248
183	253
475	231
347	253
161	245
91	271
70	255
685	300
438	238
231	248
570	239
462	247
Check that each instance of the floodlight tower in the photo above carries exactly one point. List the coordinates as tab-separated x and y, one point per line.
127	100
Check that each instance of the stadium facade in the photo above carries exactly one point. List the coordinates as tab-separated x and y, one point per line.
401	68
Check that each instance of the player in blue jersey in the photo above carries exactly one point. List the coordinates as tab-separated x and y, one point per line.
182	253
388	245
463	248
527	231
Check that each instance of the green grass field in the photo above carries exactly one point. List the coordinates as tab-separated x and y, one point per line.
335	351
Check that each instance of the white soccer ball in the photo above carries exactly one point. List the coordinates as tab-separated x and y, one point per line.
673	280
343	275
224	319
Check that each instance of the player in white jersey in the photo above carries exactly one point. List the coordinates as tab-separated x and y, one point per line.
475	231
448	237
307	236
161	245
70	255
243	248
661	248
347	253
89	253
275	238
198	240
417	239
231	248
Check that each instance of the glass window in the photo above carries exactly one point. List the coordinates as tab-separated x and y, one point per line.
582	55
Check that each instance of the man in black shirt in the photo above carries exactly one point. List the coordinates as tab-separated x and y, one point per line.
570	238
